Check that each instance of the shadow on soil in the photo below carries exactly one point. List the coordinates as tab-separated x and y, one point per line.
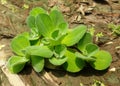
27	70
88	71
101	1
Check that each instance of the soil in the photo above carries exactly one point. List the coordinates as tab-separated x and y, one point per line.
93	13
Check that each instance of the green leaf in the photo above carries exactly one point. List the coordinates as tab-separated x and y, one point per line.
35	42
16	63
31	22
34	34
86	58
44	25
56	17
57	41
25	34
74	36
91	49
60	50
87	38
55	35
73	63
38	10
37	63
42	51
58	61
103	60
63	28
45	41
19	43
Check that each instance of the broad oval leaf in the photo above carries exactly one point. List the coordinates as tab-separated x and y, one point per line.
103	60
42	51
37	63
38	10
19	43
16	63
58	61
56	17
91	49
45	25
74	36
87	38
73	63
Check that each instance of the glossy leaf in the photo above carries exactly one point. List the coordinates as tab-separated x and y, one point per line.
38	10
73	63
74	36
44	25
16	63
19	43
91	49
42	51
103	60
87	38
37	63
58	61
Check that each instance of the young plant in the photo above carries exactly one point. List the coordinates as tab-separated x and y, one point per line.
114	28
99	35
51	42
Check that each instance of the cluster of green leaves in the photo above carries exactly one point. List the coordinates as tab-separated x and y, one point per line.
50	41
114	28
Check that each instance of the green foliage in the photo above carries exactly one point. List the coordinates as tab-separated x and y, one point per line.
16	63
19	43
39	51
114	28
103	60
50	41
87	38
44	24
37	63
58	61
73	63
74	36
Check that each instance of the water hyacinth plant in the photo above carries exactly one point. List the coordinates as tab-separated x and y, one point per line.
50	39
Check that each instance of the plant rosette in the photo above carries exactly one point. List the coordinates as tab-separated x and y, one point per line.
50	41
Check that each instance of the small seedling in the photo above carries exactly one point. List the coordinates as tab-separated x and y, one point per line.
98	83
91	31
50	41
99	35
114	28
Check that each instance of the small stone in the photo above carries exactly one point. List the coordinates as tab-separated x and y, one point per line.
112	69
109	43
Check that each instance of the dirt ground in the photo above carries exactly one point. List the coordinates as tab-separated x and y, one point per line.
93	13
